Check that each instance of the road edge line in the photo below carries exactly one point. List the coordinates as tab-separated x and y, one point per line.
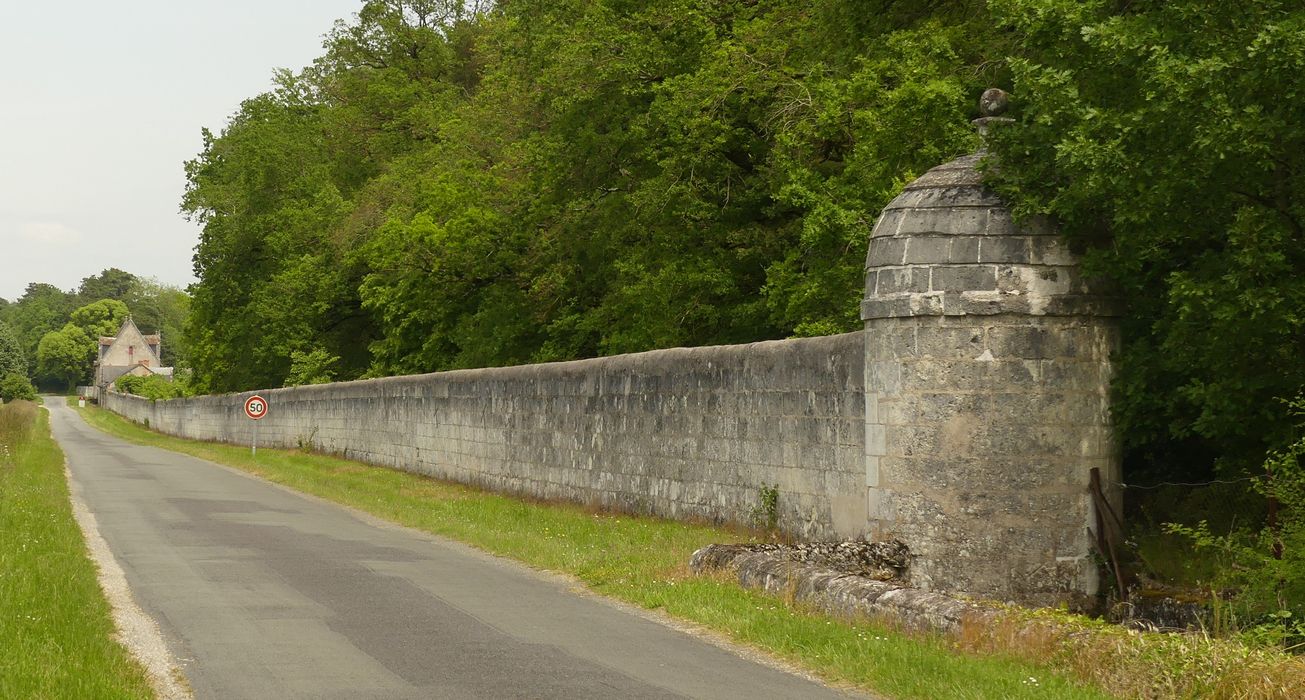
136	631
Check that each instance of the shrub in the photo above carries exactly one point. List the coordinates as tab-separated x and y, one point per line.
16	387
152	387
1266	568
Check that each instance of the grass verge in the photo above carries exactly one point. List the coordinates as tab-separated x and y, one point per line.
641	561
1143	665
56	632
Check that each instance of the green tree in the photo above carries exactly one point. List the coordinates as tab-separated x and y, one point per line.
64	356
12	359
103	317
316	367
15	386
638	175
1168	138
448	187
268	196
109	284
42	308
278	191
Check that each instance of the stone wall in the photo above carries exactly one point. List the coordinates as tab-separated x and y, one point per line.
689	432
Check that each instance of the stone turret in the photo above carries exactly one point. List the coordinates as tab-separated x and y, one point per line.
988	362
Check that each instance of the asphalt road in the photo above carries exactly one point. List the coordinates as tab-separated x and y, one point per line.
263	593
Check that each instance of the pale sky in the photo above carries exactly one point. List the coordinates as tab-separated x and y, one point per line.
101	103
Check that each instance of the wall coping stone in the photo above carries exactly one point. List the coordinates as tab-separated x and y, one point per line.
669	357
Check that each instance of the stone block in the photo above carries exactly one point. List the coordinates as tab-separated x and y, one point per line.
885	377
1070	409
890	342
885	251
928	250
963	222
932	408
958	278
968	375
896	410
879	507
948	472
965	249
1083	306
926	304
897	280
948	341
849	515
876	439
870	290
961	172
1023	342
1035	442
885	308
913	440
986	303
1045	340
956	196
887	223
1005	250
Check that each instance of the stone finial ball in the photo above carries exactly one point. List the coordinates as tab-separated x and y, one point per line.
993	102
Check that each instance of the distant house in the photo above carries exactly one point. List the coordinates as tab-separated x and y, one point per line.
129	352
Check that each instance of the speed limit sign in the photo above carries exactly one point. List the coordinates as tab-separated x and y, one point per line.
256	407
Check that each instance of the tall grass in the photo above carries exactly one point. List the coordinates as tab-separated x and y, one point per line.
56	634
1133	664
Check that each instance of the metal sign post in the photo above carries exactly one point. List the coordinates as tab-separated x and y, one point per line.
255	409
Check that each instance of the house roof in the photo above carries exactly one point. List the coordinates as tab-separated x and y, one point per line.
152	340
161	371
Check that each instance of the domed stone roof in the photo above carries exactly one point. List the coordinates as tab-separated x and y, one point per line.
947	246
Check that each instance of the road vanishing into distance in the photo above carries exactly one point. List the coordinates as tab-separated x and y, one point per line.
264	593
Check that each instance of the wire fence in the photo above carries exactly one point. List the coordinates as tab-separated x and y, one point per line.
1194	484
1140	539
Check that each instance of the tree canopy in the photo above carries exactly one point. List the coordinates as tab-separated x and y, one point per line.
42	308
12	359
109	284
449	187
78	320
454	186
67	356
1168	139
